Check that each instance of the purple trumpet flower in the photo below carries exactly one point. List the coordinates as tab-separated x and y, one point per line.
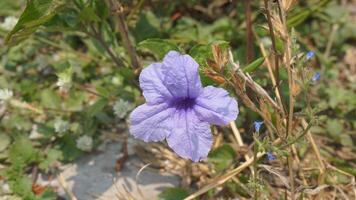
178	108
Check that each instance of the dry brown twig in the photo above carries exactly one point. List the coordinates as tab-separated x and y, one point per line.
227	176
118	12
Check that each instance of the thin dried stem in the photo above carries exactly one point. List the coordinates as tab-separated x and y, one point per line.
238	136
64	185
316	151
297	161
118	11
227	176
270	71
249	33
239	140
274	48
334	29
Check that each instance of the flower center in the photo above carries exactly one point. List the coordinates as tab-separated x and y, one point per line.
183	103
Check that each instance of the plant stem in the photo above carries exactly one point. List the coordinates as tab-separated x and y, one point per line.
291	175
225	177
255	178
122	27
274	48
249	33
97	35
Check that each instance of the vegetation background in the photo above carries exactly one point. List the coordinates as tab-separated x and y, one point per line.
69	73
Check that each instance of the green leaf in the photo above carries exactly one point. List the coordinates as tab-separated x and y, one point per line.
173	194
88	15
97	107
36	13
4	141
45	130
22	186
68	147
222	157
201	53
300	17
346	140
254	65
148	26
51	157
101	8
159	47
334	127
50	99
22	152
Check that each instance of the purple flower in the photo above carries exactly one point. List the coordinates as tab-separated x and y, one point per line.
257	125
310	55
270	156
178	108
316	77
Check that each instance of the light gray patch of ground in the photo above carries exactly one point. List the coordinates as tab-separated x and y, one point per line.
94	177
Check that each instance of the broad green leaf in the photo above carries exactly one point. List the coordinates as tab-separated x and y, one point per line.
97	107
22	152
254	65
68	147
334	127
51	157
201	53
346	140
50	99
101	8
88	15
148	26
4	141
222	157
159	47
36	13
22	186
45	130
173	194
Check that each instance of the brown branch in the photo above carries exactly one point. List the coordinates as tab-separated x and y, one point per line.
117	10
228	175
274	48
249	33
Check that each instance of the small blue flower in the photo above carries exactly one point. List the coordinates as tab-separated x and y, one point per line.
316	77
257	125
270	156
310	55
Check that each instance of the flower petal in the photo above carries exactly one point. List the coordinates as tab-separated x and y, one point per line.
214	105
190	137
181	75
151	122
152	85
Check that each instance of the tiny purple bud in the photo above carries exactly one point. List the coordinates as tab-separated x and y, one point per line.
257	125
310	55
316	77
270	156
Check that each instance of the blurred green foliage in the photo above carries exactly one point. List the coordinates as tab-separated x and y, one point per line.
57	56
